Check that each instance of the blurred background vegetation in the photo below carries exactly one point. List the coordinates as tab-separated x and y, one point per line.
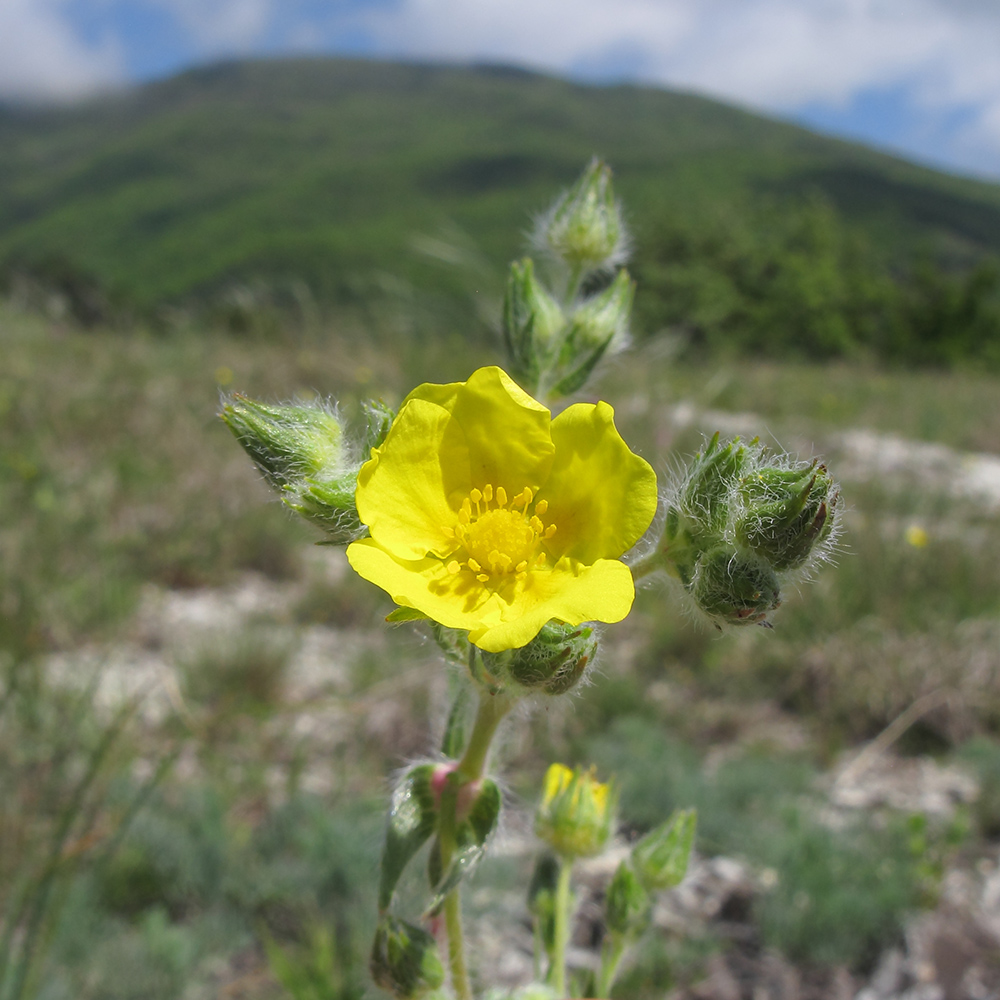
198	707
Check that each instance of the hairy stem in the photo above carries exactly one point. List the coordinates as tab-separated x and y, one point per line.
492	709
611	955
562	915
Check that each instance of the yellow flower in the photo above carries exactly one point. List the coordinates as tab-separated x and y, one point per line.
487	515
577	812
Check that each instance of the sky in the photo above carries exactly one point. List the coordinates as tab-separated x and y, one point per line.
918	77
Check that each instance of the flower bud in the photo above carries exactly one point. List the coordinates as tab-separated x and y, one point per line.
627	904
551	663
584	228
789	512
532	324
287	443
735	587
577	813
661	858
708	490
404	959
301	451
599	327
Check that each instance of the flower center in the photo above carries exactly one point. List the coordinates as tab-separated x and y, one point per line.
500	540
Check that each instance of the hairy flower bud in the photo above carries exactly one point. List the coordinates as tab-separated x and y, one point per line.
737	523
661	858
551	663
577	812
287	443
584	227
627	904
598	328
788	513
301	451
404	959
735	587
532	325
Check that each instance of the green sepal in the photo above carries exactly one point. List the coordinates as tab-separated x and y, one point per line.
789	512
592	330
412	818
329	504
735	586
627	904
710	484
661	858
470	837
532	324
404	614
378	419
404	959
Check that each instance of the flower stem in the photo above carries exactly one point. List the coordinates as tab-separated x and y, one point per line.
492	709
611	955
561	926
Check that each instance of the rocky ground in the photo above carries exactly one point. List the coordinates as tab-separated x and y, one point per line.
951	952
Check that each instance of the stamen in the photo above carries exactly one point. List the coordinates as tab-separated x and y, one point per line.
541	507
474	566
501	497
487	493
536	523
483	577
448	532
527	494
521	566
549	531
475	496
454	566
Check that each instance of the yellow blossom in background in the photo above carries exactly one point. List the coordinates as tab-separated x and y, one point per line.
917	536
577	812
487	515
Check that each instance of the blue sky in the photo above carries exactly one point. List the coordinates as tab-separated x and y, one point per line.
921	77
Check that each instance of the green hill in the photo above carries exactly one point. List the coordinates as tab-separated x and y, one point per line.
325	170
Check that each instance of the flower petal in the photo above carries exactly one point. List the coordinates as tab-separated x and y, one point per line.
401	494
601	496
569	592
505	431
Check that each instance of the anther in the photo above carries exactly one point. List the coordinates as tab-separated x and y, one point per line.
536	523
527	495
541	507
475	495
550	531
487	492
521	567
454	566
501	497
483	577
474	566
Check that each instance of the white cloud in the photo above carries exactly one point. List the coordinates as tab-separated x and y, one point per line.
776	55
42	58
222	26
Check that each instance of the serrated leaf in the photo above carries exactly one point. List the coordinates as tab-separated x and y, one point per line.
412	819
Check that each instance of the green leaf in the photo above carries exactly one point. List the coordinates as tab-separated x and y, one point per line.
471	836
412	818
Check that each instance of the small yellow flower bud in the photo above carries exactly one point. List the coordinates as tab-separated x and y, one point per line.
577	813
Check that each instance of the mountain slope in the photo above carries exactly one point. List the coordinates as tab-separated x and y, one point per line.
325	169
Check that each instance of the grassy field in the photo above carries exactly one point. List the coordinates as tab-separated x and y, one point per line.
216	833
